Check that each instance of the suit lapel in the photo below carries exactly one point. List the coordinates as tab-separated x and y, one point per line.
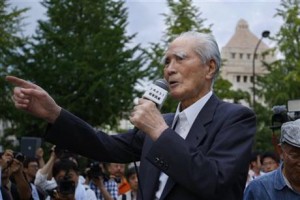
197	133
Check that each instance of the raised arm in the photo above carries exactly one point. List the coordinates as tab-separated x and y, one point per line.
33	99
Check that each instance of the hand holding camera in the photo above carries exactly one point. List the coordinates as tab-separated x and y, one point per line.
6	158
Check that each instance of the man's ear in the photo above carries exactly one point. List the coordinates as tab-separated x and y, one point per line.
279	151
212	70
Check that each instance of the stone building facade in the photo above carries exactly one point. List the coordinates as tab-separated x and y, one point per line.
237	56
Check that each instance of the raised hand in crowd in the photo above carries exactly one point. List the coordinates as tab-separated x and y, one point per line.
16	169
39	154
6	158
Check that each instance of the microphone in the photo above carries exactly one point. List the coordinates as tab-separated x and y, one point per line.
157	92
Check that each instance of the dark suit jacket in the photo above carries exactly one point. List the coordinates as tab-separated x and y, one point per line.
211	163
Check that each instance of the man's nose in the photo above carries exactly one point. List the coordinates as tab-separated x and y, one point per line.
171	68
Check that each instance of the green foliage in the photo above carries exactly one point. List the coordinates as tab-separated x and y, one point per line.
282	83
263	137
183	17
222	89
11	42
85	60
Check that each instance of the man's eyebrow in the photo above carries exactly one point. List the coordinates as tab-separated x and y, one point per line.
180	54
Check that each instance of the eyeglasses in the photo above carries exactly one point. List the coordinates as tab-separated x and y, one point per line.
269	163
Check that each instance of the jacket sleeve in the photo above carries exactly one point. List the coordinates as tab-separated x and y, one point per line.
71	133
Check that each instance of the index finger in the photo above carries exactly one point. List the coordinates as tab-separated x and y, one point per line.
20	82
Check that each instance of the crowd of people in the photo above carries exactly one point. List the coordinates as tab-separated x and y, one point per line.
201	151
60	178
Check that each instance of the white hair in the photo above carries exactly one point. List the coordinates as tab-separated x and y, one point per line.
205	46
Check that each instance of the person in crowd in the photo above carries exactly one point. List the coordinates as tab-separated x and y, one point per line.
13	180
284	182
5	159
205	156
132	179
66	175
269	161
255	167
39	155
30	168
117	171
45	179
105	188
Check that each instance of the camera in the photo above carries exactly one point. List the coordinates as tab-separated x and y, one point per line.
283	113
96	171
19	156
66	186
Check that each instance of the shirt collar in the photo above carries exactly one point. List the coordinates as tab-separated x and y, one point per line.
282	180
193	110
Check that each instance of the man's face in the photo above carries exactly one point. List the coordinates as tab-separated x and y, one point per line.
188	77
291	159
116	169
133	182
32	169
269	164
72	176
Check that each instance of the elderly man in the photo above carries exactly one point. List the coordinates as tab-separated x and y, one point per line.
204	156
284	182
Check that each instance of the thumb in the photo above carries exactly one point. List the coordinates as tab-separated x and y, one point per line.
33	92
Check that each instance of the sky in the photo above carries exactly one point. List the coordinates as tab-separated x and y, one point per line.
145	17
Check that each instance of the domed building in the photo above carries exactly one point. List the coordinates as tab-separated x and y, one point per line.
237	56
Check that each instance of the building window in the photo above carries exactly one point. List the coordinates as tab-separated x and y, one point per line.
251	79
248	56
238	79
241	56
245	79
233	55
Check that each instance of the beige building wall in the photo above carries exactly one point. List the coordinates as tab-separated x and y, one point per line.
237	56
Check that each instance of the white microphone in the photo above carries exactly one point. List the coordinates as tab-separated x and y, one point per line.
157	92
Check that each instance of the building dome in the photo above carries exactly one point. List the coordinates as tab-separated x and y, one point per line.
243	37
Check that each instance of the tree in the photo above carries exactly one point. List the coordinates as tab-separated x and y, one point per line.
83	57
11	41
282	82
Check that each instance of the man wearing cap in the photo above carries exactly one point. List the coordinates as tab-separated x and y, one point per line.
284	182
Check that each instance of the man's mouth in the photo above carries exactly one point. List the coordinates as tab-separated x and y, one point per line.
172	83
